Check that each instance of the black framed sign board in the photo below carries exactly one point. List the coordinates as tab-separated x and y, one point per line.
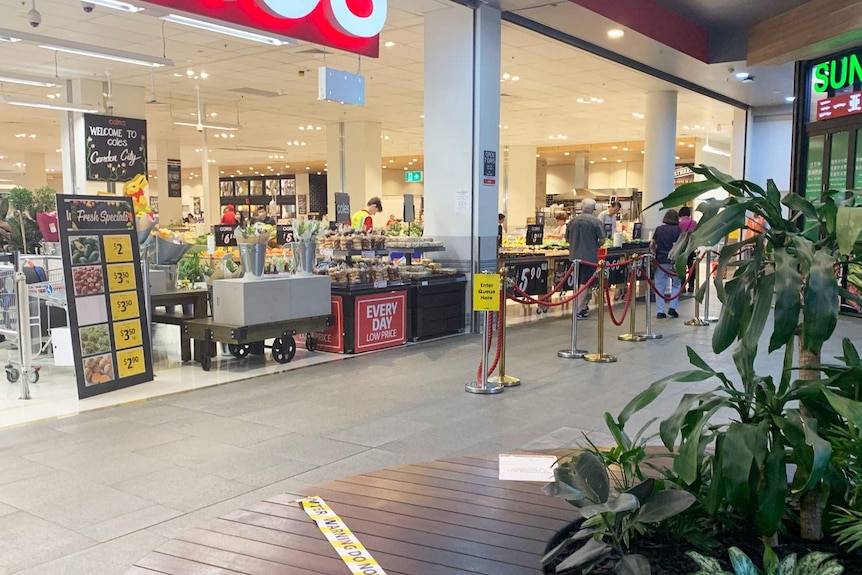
535	234
175	179
342	208
116	148
224	236
107	312
283	234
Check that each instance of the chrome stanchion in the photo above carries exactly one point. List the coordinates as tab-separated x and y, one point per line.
484	387
633	294
574	352
649	333
696	321
25	351
501	377
601	356
706	317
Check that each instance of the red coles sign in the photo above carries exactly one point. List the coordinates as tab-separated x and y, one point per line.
350	25
381	321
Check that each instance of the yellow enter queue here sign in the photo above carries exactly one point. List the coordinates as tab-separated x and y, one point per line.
486	292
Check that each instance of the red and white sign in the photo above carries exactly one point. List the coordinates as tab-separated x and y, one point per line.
331	339
381	321
350	25
838	106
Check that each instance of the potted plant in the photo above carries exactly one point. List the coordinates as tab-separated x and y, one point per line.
304	247
252	241
20	228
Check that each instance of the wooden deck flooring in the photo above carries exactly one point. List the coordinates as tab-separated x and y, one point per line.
449	517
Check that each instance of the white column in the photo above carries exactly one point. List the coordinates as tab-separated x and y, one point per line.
302	189
738	139
210	186
521	192
34	172
170	209
357	145
659	156
462	64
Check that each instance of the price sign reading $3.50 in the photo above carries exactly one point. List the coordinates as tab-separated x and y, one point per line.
124	305
121	277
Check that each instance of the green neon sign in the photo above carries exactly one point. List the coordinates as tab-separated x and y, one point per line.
837	73
412	177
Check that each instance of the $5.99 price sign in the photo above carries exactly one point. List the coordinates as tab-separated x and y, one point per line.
101	260
530	277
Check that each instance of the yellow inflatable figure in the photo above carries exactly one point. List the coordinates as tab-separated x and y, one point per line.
134	189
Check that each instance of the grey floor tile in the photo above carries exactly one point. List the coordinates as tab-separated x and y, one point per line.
226	429
270	475
155	412
97	461
16	468
129	523
27	541
380	431
183	489
7	509
122	433
307	448
355	464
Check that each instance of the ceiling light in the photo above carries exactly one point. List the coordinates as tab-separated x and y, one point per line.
625	149
26	80
619	161
642	152
604	158
716	151
391	161
81	49
405	169
613	147
565	153
742	75
592	161
384	167
691	145
9	39
117	5
676	157
615	34
637	115
209	126
83	108
686	128
389	44
227	30
538	156
682	143
204	75
789	99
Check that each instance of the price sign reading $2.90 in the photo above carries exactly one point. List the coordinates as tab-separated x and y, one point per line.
131	362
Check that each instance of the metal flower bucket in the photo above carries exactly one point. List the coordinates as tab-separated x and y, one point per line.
304	257
253	258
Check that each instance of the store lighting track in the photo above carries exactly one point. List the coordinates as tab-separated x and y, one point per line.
716	151
82	108
222	127
89	50
228	30
117	5
26	80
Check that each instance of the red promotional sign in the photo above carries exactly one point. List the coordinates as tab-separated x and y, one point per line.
350	25
381	321
838	106
331	339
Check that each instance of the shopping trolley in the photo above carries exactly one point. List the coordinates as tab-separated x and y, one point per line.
19	320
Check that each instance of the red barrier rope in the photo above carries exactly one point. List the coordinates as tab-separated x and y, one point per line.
619	264
527	299
682	284
500	327
627	303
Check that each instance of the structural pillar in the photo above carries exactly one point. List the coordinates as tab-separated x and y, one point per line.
520	192
353	156
659	152
170	209
34	172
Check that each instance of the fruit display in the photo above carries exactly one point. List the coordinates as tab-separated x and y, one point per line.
88	280
98	369
405	229
95	339
85	250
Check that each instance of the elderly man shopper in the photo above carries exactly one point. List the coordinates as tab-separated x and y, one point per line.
585	233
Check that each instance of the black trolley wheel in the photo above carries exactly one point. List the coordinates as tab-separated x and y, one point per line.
33	376
240	350
310	342
283	349
12	374
206	362
257	348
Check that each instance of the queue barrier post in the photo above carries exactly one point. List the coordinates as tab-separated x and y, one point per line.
696	321
706	317
600	356
25	349
632	335
649	333
574	352
501	377
481	385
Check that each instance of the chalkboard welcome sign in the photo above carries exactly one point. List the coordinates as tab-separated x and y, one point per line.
116	148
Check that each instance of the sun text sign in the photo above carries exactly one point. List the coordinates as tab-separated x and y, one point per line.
350	25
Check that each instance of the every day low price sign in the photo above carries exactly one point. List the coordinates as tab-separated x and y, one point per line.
116	148
107	316
381	321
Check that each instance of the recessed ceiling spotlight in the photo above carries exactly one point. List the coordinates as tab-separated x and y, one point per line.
538	155
676	157
507	76
613	147
625	149
742	75
691	145
515	78
565	153
638	115
384	167
686	128
592	161
619	161
604	158
391	161
615	34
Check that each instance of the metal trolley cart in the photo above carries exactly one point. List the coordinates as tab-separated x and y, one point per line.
250	339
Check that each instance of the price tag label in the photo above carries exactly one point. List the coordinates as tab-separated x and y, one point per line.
327	253
124	305
380	284
284	234
224	236
130	362
117	248
127	334
121	277
535	234
368	254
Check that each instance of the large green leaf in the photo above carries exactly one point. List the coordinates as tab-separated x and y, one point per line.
851	356
696	360
633	565
830	214
708	565
646	397
669	428
788	293
762	292
771	504
805	253
809	448
687	462
664	504
770	560
619	504
590	477
787	565
742	564
731	218
742	441
592	551
847	408
579	535
737	300
617	432
816	563
799	204
848	228
820	304
684	194
772	193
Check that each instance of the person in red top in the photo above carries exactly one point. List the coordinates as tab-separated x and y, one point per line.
228	217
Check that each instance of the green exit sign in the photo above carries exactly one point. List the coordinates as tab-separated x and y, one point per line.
412	176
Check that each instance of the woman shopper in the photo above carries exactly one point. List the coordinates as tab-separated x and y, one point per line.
687	224
663	239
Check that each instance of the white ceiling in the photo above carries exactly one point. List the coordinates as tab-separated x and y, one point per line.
542	103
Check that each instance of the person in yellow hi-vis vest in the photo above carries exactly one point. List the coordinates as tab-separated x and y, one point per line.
361	220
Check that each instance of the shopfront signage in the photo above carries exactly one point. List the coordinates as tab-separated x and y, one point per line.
412	177
381	321
353	26
115	148
175	179
486	292
107	315
837	73
838	106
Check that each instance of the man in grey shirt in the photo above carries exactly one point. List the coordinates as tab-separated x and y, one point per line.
609	216
585	233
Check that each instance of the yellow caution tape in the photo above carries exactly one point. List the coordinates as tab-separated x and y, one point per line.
352	552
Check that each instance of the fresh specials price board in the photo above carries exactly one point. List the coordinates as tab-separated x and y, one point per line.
107	315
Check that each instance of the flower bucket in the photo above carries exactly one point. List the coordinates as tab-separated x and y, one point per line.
253	259
303	257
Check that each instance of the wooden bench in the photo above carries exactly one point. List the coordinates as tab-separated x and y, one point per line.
448	517
198	299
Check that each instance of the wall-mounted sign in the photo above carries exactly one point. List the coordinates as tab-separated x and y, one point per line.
350	26
107	316
489	167
175	179
116	148
411	177
838	106
837	73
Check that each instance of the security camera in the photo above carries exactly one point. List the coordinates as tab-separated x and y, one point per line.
34	18
88	6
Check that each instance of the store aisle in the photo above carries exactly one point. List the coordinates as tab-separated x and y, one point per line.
91	493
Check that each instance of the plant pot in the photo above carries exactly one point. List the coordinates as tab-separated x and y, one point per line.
564	533
253	258
303	256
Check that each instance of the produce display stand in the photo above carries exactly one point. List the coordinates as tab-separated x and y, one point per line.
370	317
437	306
243	340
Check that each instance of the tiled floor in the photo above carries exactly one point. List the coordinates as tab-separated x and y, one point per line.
91	493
